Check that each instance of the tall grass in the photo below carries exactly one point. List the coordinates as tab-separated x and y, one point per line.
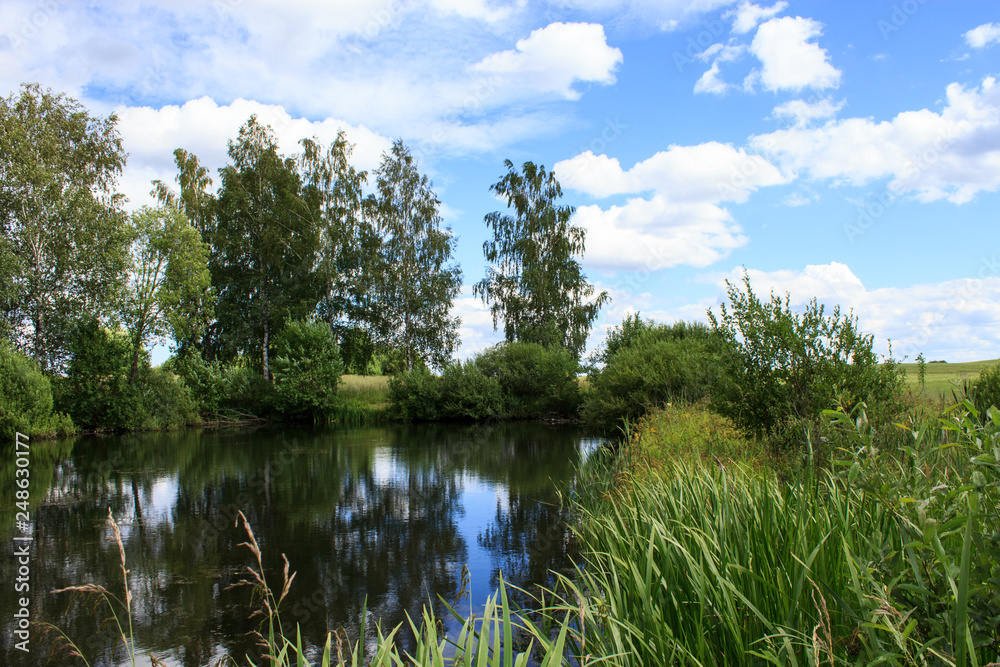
889	558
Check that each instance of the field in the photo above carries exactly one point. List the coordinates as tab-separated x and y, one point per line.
368	389
941	378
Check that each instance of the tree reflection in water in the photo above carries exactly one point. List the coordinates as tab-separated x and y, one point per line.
387	515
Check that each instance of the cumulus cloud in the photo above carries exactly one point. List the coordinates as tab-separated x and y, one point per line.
653	234
554	58
789	59
204	128
709	172
949	155
983	36
802	113
748	16
957	320
682	223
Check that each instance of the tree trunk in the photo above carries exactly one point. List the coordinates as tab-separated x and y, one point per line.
267	337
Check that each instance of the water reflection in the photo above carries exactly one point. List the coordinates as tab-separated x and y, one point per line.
383	515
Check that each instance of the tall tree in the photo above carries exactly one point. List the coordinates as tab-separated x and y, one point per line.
415	284
63	233
348	244
535	284
168	291
264	247
194	198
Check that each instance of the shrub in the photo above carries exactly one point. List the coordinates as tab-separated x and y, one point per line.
987	390
98	394
96	391
466	393
647	365
790	366
307	367
535	381
26	399
415	395
166	400
205	381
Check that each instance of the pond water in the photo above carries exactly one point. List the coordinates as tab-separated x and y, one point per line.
386	516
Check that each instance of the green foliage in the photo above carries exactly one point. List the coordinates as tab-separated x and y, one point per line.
63	234
415	395
265	243
535	284
357	350
307	367
888	559
168	292
987	389
205	381
508	381
535	381
467	394
414	284
647	365
166	402
96	391
26	399
791	366
99	394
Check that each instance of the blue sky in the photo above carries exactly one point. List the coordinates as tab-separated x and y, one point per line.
848	151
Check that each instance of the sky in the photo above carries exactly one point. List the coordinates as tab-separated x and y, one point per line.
847	151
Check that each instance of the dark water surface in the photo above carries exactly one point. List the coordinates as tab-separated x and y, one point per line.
387	514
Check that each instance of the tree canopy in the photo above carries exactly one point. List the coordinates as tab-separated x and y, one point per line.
64	232
535	284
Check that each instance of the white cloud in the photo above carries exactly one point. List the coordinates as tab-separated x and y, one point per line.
802	113
748	16
653	234
709	82
555	57
682	223
949	155
204	128
957	320
790	61
982	36
709	172
796	199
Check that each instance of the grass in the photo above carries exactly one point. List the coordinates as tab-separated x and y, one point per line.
940	379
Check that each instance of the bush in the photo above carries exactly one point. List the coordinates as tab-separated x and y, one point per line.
789	367
535	381
507	381
26	399
647	365
96	391
468	394
166	400
307	367
205	381
415	396
987	390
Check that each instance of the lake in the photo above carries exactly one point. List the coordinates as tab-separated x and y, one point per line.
383	516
